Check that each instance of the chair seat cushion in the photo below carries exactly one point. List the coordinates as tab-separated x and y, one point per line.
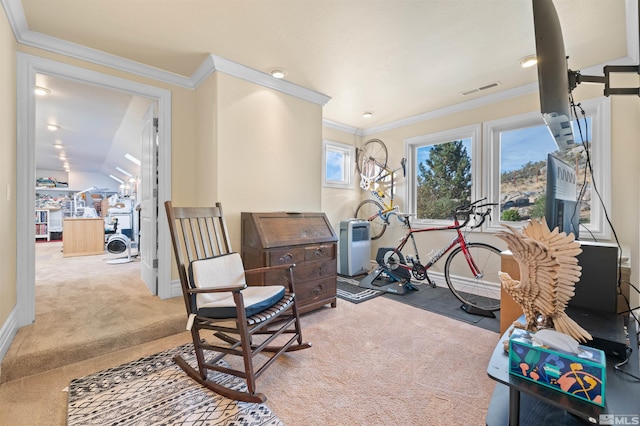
256	300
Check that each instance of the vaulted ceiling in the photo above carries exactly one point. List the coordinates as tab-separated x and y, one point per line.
396	58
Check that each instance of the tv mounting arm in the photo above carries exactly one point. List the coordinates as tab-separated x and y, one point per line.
576	78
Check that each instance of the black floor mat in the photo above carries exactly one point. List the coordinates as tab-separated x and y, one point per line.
441	301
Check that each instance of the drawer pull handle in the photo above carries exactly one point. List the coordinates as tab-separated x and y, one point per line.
287	258
319	271
319	251
317	291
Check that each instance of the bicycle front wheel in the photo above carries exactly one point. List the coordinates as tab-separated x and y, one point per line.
482	291
371	159
370	210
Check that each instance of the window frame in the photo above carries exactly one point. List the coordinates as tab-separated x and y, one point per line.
599	109
473	132
349	163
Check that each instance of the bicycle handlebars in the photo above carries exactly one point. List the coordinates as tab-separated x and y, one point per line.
468	210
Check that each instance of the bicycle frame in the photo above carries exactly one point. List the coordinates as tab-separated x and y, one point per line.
458	240
388	208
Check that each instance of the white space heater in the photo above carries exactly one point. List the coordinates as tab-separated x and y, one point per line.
355	247
117	244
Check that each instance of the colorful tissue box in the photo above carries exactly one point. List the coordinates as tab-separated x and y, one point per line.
581	376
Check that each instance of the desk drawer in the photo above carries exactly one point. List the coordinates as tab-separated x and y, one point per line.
314	270
311	292
286	256
304	272
325	251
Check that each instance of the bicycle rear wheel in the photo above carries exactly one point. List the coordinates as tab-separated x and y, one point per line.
371	159
370	210
481	291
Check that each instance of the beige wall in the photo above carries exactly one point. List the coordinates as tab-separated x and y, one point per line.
7	169
206	171
269	148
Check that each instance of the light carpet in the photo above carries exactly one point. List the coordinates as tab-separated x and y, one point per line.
85	308
154	391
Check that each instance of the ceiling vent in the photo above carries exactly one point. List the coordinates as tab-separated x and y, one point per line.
481	88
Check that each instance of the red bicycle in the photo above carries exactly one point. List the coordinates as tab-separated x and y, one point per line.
471	269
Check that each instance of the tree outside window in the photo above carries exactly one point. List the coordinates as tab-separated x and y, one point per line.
443	170
444	178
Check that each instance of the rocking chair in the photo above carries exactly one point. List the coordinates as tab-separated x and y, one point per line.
246	321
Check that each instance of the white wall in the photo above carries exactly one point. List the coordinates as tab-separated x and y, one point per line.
79	181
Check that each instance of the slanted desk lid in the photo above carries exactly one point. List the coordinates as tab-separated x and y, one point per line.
286	229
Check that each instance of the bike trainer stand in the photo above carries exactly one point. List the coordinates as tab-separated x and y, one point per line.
394	284
477	311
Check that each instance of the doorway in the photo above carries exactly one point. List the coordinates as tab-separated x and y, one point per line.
28	67
88	165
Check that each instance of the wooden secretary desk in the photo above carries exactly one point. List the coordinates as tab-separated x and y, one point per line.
306	239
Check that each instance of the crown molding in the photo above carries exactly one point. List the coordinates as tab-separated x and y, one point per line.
217	63
464	106
15	16
486	100
213	63
341	127
23	35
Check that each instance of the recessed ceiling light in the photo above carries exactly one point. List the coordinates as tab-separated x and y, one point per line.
278	72
528	61
124	172
52	127
132	159
41	91
57	145
367	114
116	179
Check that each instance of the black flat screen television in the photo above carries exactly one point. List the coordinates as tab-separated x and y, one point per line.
553	74
561	208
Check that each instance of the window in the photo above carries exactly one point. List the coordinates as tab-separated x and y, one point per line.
442	169
337	164
516	152
506	166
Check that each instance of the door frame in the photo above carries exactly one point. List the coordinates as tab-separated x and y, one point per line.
27	67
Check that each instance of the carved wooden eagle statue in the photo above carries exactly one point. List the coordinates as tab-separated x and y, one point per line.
549	271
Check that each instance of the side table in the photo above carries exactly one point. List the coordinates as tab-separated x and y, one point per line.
518	401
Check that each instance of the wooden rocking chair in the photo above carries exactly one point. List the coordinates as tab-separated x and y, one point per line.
246	320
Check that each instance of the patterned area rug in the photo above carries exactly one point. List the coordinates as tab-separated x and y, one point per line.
348	290
155	391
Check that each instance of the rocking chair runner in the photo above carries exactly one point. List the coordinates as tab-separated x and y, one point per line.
245	320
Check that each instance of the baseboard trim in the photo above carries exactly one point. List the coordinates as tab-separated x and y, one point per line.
176	288
8	332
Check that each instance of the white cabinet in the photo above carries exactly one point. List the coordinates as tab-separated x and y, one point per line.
42	224
48	221
55	220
